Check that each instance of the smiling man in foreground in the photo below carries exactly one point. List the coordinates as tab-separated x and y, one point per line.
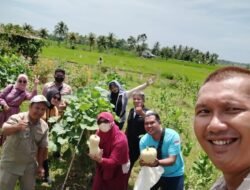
222	125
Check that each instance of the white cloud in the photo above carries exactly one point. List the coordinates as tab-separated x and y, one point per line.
218	26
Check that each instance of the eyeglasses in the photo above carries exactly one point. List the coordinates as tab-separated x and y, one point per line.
102	121
22	81
57	98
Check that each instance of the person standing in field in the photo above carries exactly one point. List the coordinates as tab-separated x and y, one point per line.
25	147
135	128
54	98
58	84
169	156
119	98
112	161
222	125
12	96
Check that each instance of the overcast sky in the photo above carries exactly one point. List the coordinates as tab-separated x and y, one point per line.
218	26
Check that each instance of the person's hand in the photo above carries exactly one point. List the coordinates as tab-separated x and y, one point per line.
150	81
154	164
22	124
139	110
98	157
36	80
40	172
6	107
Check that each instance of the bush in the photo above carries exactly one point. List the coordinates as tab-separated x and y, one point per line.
43	69
10	67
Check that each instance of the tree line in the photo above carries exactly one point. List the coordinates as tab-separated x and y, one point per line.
137	44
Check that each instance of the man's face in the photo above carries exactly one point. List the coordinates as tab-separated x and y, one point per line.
151	125
59	77
222	123
37	110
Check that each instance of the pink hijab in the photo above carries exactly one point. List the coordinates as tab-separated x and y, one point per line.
108	139
21	86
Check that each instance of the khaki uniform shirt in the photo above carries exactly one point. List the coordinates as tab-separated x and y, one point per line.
20	149
220	184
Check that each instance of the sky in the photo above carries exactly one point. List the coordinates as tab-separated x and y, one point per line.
217	26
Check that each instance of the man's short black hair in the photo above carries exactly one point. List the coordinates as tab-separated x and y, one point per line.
157	117
58	70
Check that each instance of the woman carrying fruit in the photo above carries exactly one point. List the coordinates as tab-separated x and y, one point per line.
113	158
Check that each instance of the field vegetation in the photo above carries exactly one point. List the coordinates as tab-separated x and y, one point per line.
172	95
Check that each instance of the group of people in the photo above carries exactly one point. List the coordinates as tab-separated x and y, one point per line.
25	150
221	125
121	151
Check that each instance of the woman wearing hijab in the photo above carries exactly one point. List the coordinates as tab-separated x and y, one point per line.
12	96
54	97
119	98
112	162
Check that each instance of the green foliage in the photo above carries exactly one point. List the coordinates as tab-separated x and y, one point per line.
130	62
10	68
82	109
15	39
202	174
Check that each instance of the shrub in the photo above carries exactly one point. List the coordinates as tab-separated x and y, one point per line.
10	67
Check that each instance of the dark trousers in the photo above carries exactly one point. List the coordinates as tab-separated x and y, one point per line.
170	183
119	124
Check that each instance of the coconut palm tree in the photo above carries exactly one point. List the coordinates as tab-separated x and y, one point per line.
111	40
43	33
141	38
61	31
91	40
156	49
72	37
102	43
28	28
131	42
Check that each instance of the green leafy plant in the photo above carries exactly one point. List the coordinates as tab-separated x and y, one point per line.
76	124
10	67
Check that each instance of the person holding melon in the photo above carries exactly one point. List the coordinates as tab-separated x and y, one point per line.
167	143
112	156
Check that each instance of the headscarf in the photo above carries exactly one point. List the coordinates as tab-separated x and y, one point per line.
113	136
114	97
21	86
117	84
50	94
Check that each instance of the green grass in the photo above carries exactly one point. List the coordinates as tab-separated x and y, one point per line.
134	70
130	62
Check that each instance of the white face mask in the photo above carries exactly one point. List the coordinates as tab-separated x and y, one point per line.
104	127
